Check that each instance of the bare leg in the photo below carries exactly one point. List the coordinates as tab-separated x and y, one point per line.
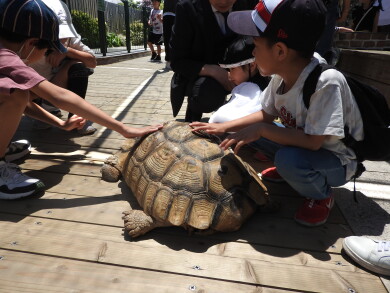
61	77
11	110
151	47
158	49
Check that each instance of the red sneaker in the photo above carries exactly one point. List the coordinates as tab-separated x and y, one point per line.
260	157
272	175
314	212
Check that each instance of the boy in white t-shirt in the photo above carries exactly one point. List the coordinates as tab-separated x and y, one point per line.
156	33
308	153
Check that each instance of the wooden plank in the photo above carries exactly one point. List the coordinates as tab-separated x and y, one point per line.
85	244
58	182
22	272
261	229
105	210
196	243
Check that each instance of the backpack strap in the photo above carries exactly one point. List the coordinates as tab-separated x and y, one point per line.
311	81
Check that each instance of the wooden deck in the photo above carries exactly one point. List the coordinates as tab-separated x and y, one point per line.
70	239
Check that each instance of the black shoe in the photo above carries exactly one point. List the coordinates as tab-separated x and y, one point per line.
154	55
158	58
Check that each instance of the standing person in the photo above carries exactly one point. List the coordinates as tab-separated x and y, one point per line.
308	153
156	30
69	70
21	43
365	16
334	14
169	13
199	39
384	15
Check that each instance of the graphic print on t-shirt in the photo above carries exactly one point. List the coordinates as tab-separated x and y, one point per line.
287	118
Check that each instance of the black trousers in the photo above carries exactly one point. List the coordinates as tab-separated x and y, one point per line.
205	95
169	20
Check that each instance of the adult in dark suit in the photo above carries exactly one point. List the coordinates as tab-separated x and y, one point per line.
199	38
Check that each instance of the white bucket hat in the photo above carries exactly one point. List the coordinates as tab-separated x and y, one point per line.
67	29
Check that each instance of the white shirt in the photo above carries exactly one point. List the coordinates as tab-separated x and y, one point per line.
331	107
155	22
47	71
245	100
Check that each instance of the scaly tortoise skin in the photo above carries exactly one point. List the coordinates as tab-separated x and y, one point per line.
182	179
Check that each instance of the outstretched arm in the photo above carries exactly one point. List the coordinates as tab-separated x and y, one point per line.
284	136
233	125
67	100
35	111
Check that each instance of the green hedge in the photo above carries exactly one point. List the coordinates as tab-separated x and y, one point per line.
114	40
87	27
137	33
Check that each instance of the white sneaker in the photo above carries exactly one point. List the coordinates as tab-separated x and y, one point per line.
17	150
14	184
371	254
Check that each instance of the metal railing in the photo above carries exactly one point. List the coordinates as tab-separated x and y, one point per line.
107	27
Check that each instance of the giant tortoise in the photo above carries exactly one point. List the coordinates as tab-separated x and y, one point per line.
183	179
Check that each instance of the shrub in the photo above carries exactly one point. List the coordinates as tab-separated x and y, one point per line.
87	27
114	40
137	33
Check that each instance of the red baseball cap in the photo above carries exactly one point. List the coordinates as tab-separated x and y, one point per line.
297	23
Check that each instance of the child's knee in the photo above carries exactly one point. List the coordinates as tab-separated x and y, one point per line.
287	158
18	98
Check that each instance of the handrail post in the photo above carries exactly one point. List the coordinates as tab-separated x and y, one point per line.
145	22
102	27
127	24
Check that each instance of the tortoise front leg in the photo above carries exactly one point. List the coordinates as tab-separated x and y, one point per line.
137	223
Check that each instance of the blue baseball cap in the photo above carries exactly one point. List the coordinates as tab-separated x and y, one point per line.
31	18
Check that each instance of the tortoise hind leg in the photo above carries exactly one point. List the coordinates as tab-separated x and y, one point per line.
138	223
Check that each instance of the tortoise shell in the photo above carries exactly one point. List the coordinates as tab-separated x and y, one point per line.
182	179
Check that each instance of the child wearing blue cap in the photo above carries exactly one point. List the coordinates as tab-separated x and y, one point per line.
308	153
23	42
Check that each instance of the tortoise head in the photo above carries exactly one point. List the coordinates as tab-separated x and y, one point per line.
113	166
234	171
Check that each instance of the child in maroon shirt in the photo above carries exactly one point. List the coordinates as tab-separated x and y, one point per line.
24	42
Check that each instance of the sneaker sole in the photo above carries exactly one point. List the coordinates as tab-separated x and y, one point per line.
364	263
17	156
265	178
39	187
306	224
